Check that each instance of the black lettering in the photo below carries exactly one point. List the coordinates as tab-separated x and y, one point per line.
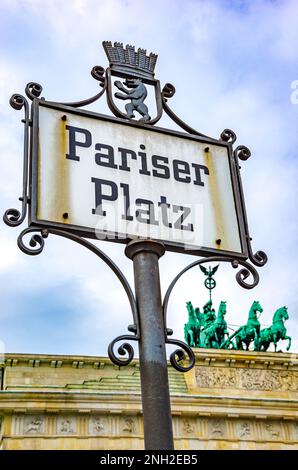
100	196
163	204
179	222
124	153
127	215
146	216
165	169
105	159
178	171
73	143
144	169
198	168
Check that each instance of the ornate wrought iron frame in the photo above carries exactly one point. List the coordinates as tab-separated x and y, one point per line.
120	237
38	232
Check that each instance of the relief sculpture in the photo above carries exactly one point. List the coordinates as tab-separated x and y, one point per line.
34	425
248	379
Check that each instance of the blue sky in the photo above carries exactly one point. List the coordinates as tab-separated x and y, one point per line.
232	63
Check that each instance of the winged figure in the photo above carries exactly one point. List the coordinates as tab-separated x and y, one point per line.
209	272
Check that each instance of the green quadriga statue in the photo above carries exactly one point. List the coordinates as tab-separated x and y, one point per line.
275	332
207	330
247	333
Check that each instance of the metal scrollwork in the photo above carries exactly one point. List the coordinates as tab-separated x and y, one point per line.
35	247
259	258
17	101
98	73
244	273
33	90
168	91
242	152
13	217
123	349
179	355
36	243
228	136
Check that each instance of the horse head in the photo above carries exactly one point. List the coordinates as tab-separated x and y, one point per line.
256	307
281	314
189	306
222	309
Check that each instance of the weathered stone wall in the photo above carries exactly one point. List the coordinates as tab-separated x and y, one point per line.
230	400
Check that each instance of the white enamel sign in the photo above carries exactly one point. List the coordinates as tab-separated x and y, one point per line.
118	181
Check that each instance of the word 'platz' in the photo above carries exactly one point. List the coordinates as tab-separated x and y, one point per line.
123	181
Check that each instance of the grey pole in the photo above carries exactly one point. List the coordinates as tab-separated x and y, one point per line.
158	432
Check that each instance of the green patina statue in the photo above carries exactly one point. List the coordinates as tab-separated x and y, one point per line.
246	333
206	330
213	334
192	327
275	332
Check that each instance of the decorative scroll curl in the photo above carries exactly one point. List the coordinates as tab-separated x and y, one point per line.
33	90
259	258
244	273
17	101
179	355
168	90
13	217
36	242
124	349
228	136
98	73
242	152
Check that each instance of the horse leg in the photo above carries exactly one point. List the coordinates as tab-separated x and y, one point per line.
216	340
238	343
275	340
290	341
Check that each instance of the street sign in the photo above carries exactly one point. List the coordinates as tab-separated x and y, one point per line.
123	179
111	179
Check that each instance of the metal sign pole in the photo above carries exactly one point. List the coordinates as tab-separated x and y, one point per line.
158	432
